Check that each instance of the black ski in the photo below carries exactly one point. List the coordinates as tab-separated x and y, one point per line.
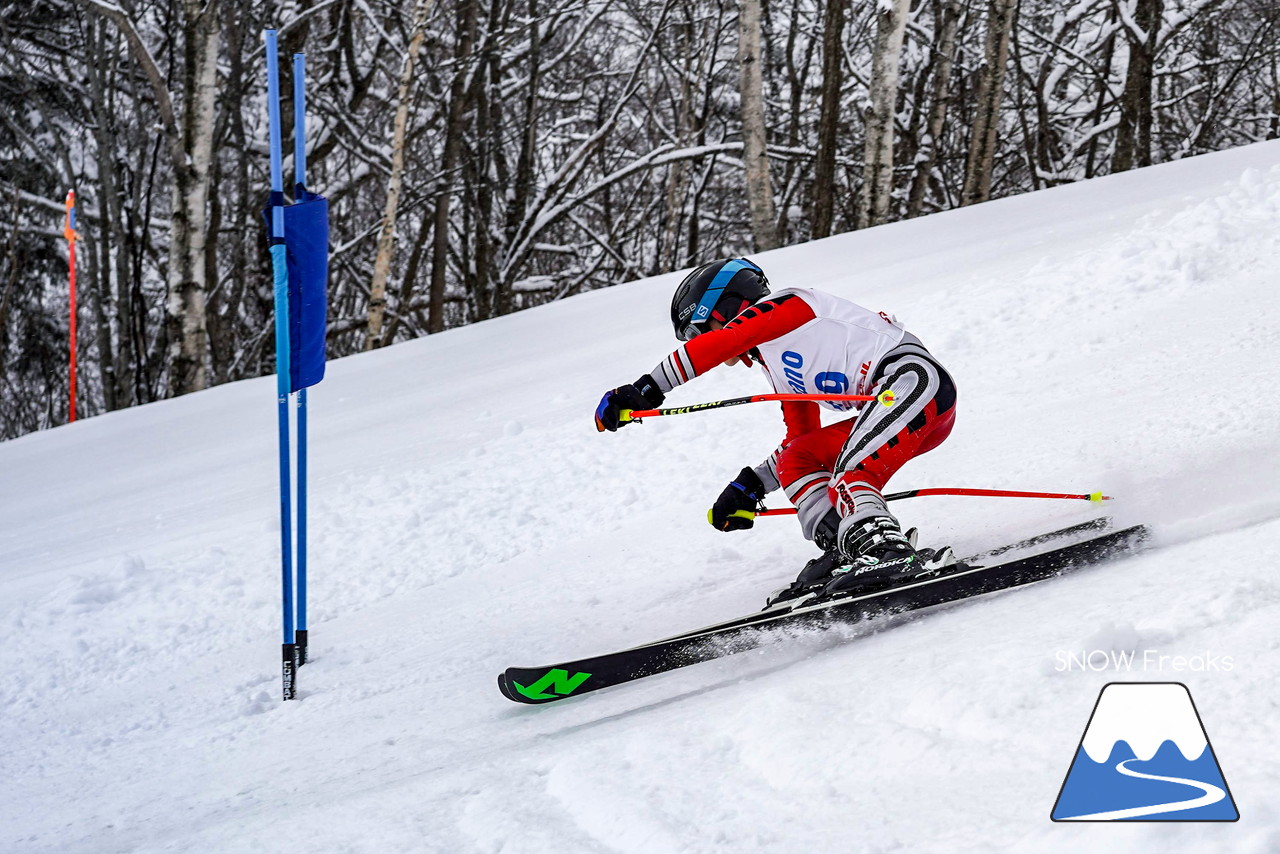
573	678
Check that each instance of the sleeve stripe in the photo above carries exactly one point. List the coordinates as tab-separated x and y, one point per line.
813	489
662	374
674	370
686	366
805	484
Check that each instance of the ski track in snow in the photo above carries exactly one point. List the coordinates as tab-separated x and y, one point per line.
1118	334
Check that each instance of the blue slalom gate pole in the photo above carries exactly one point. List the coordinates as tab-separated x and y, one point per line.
280	270
299	181
299	239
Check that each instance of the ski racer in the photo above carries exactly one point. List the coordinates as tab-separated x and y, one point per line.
811	342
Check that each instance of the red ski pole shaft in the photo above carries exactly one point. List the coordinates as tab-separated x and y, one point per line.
943	490
885	398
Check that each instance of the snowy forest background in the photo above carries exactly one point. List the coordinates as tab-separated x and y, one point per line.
484	156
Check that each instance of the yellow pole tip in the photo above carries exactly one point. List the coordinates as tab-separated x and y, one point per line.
1097	496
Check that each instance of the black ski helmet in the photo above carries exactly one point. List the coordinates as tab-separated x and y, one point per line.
716	291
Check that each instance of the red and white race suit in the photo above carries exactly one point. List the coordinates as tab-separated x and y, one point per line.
810	342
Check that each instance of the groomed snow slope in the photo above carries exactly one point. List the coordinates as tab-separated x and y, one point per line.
1119	335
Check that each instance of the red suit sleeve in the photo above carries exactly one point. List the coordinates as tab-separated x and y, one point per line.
762	322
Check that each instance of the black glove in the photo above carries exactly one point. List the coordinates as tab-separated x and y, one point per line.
642	394
735	509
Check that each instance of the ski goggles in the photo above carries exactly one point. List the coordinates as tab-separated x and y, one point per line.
721	313
689	332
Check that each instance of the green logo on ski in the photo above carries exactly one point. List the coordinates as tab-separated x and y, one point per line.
560	680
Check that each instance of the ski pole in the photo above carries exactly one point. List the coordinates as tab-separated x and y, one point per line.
280	271
1095	497
885	398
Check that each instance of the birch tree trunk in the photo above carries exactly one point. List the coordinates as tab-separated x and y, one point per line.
986	118
189	142
387	236
877	160
188	260
764	217
824	167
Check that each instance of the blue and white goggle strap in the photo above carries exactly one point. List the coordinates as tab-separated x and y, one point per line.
713	292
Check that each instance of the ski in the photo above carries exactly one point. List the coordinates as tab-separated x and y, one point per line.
535	685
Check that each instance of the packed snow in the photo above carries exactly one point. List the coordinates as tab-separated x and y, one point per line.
1117	335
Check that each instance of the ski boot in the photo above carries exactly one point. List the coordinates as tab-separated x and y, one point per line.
878	555
819	571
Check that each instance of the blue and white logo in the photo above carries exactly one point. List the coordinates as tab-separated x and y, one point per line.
1145	757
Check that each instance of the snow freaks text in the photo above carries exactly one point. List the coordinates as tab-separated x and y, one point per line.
1149	660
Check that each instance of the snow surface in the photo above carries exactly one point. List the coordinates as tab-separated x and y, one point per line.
1119	334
